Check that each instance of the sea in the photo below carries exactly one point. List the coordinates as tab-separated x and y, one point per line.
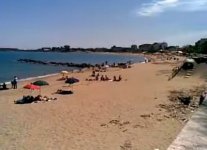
10	67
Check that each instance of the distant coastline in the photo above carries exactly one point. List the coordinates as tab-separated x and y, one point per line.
199	47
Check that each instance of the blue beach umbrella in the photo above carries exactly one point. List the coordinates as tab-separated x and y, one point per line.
72	80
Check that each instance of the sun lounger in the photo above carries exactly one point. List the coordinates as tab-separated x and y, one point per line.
25	100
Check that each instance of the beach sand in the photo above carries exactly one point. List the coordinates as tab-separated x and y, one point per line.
98	116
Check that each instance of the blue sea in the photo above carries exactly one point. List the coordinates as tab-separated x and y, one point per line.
10	67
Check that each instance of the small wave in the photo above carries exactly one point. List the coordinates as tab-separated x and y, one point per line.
38	77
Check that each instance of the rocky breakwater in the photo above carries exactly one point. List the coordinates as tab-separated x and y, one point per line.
81	65
31	61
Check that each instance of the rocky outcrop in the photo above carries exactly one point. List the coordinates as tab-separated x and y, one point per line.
82	65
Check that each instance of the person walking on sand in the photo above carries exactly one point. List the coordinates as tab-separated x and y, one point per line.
15	82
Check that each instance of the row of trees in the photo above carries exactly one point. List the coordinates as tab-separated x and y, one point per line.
199	47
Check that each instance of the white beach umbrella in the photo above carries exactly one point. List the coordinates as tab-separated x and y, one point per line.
64	72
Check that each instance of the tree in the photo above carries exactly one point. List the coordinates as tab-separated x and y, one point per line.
189	49
203	48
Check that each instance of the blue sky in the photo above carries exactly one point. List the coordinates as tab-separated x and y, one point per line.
100	23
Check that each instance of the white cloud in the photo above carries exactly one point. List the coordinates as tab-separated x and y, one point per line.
160	6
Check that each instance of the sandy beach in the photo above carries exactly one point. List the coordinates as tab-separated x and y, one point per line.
99	115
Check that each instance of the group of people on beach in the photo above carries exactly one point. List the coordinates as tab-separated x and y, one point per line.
13	83
103	77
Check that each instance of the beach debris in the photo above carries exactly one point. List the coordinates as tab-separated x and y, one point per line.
117	123
127	145
185	99
125	123
182	103
124	130
104	125
139	126
145	116
114	122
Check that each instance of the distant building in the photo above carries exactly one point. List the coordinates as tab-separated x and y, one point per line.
153	47
120	49
145	47
172	48
46	49
159	46
134	47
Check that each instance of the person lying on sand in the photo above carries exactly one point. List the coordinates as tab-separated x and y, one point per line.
30	99
89	79
3	87
62	78
64	92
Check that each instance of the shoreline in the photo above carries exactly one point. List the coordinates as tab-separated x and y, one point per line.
72	68
56	73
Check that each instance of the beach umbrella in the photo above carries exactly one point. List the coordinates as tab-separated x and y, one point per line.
72	80
64	72
32	87
40	83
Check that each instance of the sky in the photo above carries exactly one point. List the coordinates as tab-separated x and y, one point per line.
31	24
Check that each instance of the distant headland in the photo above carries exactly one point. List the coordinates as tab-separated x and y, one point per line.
199	47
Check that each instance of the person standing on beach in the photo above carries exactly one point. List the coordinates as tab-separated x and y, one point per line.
12	83
203	97
15	82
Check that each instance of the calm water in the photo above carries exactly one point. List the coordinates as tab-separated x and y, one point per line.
10	67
